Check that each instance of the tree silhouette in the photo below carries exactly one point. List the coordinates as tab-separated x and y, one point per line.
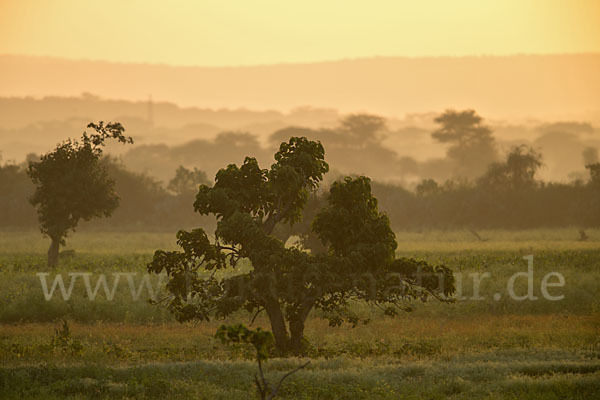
594	174
72	184
363	127
187	181
590	159
207	278
516	173
472	146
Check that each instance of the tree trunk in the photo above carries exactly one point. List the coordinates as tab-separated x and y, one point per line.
297	336
53	253
297	321
278	327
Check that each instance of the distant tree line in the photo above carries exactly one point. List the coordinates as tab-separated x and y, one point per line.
145	203
484	191
503	198
506	196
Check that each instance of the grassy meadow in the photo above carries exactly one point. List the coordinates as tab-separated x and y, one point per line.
492	348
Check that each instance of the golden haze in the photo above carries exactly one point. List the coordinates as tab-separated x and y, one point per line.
218	33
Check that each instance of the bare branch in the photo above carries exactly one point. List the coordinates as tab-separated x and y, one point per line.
260	309
274	392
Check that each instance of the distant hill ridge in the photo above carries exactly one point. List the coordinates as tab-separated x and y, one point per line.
16	112
540	86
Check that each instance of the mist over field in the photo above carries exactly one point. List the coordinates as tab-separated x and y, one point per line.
207	117
168	135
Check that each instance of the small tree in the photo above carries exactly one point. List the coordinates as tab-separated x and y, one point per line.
286	282
72	184
262	341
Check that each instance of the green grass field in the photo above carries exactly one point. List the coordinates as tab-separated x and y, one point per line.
494	348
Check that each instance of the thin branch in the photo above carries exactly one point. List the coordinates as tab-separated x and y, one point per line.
262	391
162	300
274	392
197	263
260	309
265	385
233	249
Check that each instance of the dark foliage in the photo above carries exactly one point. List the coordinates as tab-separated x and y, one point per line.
72	184
359	262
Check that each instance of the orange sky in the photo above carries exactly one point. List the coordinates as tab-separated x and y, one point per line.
218	32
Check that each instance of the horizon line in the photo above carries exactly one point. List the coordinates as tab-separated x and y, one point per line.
299	63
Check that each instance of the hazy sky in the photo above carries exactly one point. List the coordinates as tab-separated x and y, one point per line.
248	32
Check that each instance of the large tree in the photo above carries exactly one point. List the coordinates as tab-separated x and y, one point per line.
72	184
208	279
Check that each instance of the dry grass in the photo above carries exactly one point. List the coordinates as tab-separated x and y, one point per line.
404	338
